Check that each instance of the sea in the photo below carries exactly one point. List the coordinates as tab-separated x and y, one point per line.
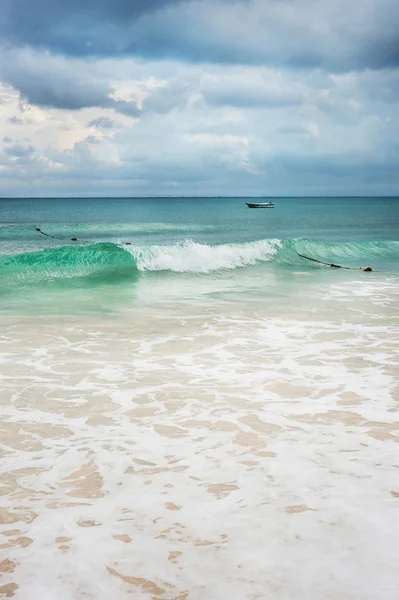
191	407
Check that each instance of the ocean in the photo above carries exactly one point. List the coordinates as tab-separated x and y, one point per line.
190	409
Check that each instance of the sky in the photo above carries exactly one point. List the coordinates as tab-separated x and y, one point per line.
199	97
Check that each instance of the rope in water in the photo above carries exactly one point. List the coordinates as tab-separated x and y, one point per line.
333	265
74	239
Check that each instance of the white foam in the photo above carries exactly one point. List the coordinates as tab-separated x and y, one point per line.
201	258
165	410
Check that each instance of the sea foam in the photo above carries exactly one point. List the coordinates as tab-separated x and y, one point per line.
201	258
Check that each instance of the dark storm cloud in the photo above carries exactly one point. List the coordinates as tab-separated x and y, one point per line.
67	26
50	81
57	90
336	35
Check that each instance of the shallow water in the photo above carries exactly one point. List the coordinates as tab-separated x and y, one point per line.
196	419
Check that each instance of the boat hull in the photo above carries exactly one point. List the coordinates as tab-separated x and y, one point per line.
260	204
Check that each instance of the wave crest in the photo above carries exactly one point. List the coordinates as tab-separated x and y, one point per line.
108	263
192	257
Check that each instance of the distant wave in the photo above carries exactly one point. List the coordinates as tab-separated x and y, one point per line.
99	231
108	263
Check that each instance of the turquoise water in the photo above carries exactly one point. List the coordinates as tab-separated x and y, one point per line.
198	247
189	406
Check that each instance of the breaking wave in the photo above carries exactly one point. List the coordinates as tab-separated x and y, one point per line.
109	263
191	257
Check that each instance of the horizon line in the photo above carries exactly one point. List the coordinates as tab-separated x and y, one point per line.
154	197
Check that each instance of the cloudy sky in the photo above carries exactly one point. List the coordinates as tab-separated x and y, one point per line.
199	97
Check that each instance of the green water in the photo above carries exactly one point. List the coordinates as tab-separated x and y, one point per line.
130	251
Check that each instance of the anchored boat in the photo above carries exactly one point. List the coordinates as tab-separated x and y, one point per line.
260	204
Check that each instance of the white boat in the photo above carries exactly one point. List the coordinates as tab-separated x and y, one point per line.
260	204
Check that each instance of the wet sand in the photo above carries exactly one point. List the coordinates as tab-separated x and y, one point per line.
230	455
